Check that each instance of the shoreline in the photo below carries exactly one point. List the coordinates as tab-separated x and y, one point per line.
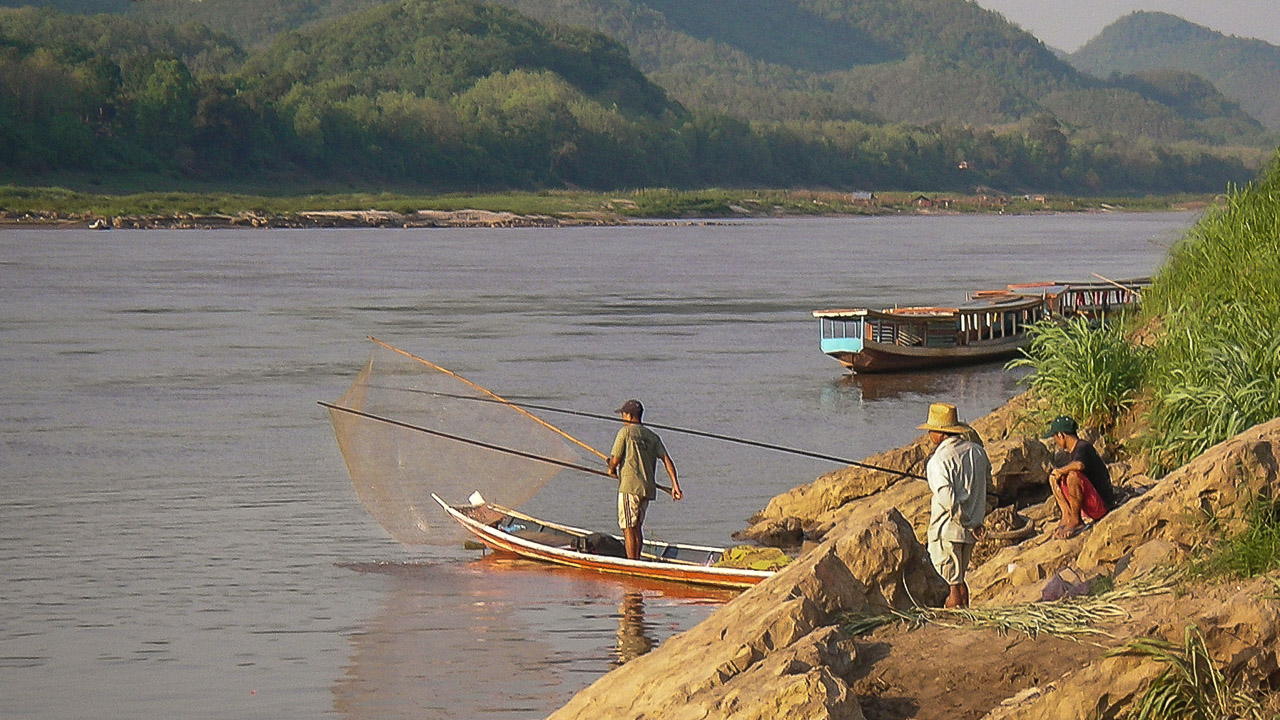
466	218
58	207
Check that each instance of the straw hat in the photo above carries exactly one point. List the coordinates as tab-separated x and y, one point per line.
942	418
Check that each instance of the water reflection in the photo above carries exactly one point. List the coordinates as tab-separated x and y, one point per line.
540	632
977	381
635	637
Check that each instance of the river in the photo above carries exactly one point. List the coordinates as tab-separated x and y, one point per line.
178	534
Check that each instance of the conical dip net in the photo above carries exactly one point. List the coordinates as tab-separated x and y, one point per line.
395	468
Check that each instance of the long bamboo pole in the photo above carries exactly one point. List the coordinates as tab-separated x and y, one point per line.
474	442
686	431
495	398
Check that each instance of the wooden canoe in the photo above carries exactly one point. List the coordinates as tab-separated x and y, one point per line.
505	530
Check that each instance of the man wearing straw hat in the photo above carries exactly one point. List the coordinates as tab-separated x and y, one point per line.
958	472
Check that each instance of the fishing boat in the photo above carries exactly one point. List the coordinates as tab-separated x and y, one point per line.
913	338
505	530
991	325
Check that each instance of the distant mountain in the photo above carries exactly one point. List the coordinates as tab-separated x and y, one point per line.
1244	69
918	62
890	61
451	94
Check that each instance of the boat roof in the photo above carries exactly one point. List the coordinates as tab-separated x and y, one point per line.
998	303
1012	297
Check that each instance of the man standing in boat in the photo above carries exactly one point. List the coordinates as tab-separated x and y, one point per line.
634	461
958	472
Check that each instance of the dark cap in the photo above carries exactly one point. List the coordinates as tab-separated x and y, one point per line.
1061	424
631	407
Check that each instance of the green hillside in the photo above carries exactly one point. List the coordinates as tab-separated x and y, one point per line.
902	61
878	61
455	94
1243	69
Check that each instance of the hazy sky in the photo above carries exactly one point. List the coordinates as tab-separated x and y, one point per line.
1068	24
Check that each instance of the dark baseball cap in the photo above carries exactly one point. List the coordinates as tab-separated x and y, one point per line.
631	407
1061	424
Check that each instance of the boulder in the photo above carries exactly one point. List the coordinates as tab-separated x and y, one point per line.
1241	634
775	650
1219	484
838	488
1019	465
784	532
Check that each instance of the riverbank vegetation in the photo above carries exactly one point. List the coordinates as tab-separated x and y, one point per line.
451	95
53	203
1202	362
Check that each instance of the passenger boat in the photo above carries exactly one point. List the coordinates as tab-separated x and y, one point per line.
505	530
1094	300
913	338
991	325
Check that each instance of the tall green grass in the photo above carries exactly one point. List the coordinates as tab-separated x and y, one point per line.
1251	552
1214	309
1090	373
1215	370
1192	686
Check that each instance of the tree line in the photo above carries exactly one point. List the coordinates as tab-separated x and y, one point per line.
451	94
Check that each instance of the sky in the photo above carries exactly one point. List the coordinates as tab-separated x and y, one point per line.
1068	24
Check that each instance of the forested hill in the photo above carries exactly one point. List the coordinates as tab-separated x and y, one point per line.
1244	69
456	94
440	49
878	61
890	61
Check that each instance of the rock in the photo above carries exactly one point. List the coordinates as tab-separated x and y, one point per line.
1147	557
1218	484
778	532
838	488
774	651
1241	634
1018	464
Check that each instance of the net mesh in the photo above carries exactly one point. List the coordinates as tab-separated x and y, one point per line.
395	469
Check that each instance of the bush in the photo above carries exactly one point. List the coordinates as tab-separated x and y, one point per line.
1092	373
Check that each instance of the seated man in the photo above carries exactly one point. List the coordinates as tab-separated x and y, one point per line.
1082	486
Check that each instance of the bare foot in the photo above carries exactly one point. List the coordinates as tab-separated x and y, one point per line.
1064	532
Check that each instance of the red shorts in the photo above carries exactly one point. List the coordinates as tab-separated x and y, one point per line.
1091	505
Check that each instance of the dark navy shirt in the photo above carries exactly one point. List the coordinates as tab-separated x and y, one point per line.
1096	470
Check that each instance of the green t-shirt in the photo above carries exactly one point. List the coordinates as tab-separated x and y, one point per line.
639	449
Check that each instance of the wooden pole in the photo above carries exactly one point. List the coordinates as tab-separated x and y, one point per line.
496	397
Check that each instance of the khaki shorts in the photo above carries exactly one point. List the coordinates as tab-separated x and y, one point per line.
950	559
631	510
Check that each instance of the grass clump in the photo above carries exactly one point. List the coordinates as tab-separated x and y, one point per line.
1250	553
1073	618
1092	373
1191	687
1213	366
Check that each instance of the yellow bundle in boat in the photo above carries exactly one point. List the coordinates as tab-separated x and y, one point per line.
751	557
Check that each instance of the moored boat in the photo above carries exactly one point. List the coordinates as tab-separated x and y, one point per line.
912	338
991	325
505	530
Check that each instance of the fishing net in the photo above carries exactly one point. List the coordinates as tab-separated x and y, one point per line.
396	468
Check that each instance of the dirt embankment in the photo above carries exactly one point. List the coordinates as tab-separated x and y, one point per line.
783	649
